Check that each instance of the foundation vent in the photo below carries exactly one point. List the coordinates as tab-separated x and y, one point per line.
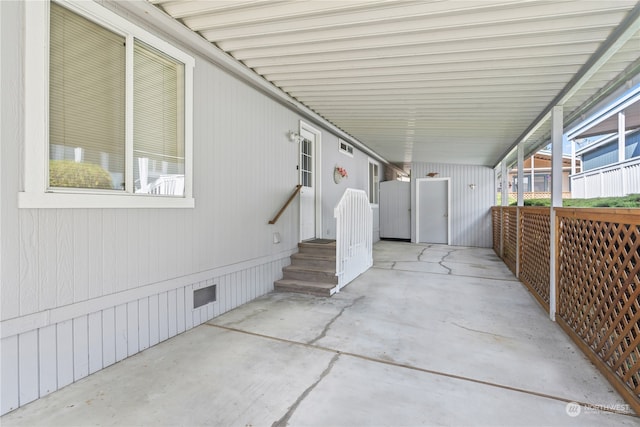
204	296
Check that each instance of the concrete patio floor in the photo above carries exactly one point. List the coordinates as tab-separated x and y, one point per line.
431	335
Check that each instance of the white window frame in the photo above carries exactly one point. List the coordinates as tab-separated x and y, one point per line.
36	192
348	151
377	164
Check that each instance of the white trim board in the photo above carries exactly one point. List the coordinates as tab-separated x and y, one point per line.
55	315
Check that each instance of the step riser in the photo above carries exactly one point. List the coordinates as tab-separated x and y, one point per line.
324	253
312	270
317	250
310	276
314	263
308	291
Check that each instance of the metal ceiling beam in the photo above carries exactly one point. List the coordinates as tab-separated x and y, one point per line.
623	32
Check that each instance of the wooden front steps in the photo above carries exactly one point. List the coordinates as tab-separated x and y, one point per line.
312	270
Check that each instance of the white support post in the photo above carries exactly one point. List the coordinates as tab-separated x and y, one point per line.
495	186
533	175
557	126
621	137
520	203
505	184
504	202
573	157
622	149
573	165
520	175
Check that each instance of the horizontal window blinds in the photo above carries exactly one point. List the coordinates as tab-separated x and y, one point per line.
158	88
87	94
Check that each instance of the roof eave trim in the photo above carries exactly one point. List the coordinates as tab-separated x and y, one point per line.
161	22
625	30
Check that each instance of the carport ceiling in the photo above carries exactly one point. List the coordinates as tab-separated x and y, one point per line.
430	81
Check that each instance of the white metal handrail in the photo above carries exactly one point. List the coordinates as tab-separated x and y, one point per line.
619	179
354	236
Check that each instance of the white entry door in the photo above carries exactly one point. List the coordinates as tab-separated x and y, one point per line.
432	215
308	190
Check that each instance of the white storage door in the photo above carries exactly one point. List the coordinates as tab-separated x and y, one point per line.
395	210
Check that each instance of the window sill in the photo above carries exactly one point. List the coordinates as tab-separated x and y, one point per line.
100	201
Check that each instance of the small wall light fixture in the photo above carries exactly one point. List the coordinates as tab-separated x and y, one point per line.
472	186
294	136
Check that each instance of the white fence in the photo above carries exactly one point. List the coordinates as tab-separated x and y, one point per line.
616	180
354	242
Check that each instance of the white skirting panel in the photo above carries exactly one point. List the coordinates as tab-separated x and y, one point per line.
37	362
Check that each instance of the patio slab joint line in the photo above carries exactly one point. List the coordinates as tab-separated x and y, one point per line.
424	370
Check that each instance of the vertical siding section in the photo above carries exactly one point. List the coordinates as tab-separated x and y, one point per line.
65	256
95	255
47	360
80	255
95	342
470	207
28	367
108	337
40	361
47	259
9	361
80	347
143	323
244	168
64	352
11	133
29	240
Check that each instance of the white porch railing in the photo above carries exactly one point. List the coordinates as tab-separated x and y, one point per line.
171	185
615	180
354	239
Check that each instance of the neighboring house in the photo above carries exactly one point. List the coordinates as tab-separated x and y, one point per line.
611	156
537	176
168	226
603	152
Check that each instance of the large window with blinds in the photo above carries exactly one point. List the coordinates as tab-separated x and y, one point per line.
95	78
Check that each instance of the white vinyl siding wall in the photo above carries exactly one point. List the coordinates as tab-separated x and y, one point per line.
104	283
470	213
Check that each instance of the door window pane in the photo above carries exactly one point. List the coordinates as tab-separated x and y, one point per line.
306	163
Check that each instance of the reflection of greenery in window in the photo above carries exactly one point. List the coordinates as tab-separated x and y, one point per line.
69	173
87	95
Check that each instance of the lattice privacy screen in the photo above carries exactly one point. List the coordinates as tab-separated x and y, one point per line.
599	291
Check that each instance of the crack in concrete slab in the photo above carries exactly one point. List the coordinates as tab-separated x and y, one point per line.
480	332
421	253
286	417
246	317
418	369
328	325
442	261
393	265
